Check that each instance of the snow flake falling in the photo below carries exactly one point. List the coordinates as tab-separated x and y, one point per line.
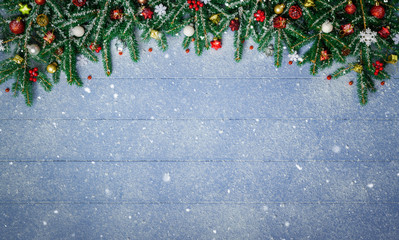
368	37
396	38
295	57
82	60
160	9
2	47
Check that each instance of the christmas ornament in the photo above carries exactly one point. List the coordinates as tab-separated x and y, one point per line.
357	68
34	72
251	47
378	67
327	27
59	51
382	83
49	37
192	4
160	10
7	89
324	55
295	57
350	83
279	8
119	46
142	2
52	67
188	30
368	37
95	47
150	49
279	22
392	59
147	13
18	59
378	11
345	51
295	12
89	77
216	43
78	31
24	9
215	18
269	50
350	8
384	32
346	30
187	50
33	49
329	77
40	2
234	24
42	20
79	3
396	39
2	47
259	16
309	3
17	26
116	14
155	34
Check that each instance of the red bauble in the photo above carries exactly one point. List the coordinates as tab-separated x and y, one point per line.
350	8
378	11
40	2
79	3
17	26
116	14
295	12
216	44
384	32
234	24
279	22
147	13
259	16
346	29
329	77
324	55
49	37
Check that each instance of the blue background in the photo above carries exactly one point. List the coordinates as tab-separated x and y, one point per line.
185	147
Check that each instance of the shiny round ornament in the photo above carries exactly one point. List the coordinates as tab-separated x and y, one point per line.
17	26
79	3
279	8
142	2
52	67
40	2
42	20
78	31
295	12
350	8
327	27
33	49
378	11
188	31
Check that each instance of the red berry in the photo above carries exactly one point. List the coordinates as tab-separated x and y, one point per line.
329	77
35	74
351	83
376	73
196	9
290	62
188	1
34	79
120	53
383	83
190	6
201	4
97	51
187	50
31	79
150	49
30	71
7	89
35	69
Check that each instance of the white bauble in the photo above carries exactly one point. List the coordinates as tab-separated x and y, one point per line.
33	49
188	30
327	27
78	31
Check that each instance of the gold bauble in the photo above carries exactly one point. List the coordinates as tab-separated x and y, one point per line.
279	8
52	67
155	34
18	59
215	18
309	3
42	20
392	59
142	2
357	68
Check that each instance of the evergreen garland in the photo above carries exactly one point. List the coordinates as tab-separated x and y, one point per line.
365	32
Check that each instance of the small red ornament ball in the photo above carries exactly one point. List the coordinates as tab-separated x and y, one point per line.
290	62
378	11
350	8
89	77
150	49
295	12
17	26
79	3
351	83
382	83
234	24
329	77
40	2
7	89
187	50
251	47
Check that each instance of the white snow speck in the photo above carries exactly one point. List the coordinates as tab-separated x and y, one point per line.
188	209
87	90
287	224
44	223
299	167
228	191
112	86
130	217
107	191
370	185
56	211
166	177
265	208
166	55
11	163
214	231
336	149
115	95
397	174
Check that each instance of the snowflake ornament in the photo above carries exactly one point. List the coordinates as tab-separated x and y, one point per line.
160	9
368	37
396	38
295	57
82	60
2	47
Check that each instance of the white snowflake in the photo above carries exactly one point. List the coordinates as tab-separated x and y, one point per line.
368	37
82	60
2	47
295	57
160	9
396	38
